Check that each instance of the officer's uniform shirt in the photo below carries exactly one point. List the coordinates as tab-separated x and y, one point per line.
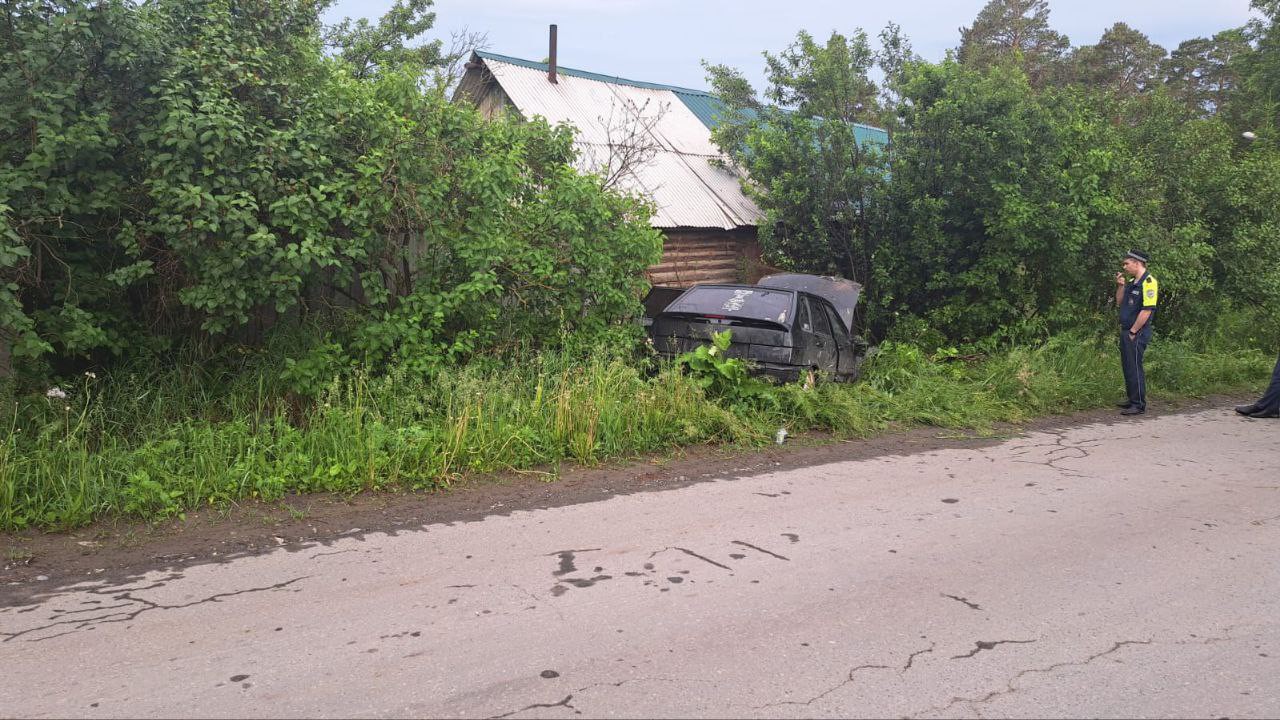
1141	294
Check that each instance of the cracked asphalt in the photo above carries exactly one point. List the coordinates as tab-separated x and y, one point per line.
1119	569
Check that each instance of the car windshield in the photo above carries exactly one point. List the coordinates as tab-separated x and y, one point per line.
752	303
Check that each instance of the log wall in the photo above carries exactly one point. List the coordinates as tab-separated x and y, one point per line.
695	255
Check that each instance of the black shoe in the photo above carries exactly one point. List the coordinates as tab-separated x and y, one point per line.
1248	409
1125	404
1132	411
1266	414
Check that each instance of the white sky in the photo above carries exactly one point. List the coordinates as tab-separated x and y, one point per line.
665	41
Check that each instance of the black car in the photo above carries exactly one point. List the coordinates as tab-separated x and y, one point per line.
785	325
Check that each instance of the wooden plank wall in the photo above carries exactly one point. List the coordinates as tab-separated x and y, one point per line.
692	255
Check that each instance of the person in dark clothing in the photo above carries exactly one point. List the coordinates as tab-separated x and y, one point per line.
1136	301
1268	406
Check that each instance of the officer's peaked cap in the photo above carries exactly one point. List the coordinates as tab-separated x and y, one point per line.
1139	255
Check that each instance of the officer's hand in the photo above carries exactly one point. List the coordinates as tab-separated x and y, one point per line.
1119	278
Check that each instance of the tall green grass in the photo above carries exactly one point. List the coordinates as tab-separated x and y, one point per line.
150	443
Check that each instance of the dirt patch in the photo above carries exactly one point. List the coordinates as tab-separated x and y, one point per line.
34	564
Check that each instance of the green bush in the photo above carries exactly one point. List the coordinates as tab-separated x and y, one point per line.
183	173
722	377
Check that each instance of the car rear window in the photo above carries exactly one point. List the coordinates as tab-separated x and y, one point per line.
753	303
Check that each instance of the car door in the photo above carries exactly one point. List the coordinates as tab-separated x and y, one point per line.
825	351
844	346
802	334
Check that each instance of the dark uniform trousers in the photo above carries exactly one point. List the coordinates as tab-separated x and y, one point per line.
1135	377
1270	400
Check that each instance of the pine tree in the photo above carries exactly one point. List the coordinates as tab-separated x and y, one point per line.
1124	62
1015	32
1204	73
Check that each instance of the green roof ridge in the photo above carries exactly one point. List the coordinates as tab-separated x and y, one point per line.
573	72
704	104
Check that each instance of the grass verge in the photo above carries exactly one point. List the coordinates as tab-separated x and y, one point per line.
154	444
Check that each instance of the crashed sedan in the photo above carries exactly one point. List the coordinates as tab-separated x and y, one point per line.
785	326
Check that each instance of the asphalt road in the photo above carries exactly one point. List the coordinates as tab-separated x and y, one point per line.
1119	570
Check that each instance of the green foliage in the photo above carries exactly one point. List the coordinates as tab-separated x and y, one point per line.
893	59
70	86
369	48
155	443
1039	229
1248	257
1261	69
1009	208
189	170
356	285
824	80
1204	73
722	377
1124	62
1015	33
816	182
1019	175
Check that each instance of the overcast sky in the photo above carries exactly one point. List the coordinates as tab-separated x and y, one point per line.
665	41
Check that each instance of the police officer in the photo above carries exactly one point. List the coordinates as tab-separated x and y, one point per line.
1136	300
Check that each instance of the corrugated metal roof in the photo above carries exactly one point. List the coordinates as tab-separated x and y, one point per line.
686	178
706	106
681	178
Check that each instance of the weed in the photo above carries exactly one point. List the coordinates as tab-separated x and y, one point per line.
722	377
18	556
154	444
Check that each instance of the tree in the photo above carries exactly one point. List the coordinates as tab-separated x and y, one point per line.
370	47
1261	68
813	172
630	143
1000	215
73	88
1017	32
186	169
452	66
1248	258
828	81
1204	73
893	59
1124	62
1004	205
1254	191
1009	208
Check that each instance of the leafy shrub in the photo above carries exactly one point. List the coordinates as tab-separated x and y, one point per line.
201	169
724	378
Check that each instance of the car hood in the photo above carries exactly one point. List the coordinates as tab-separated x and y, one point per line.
841	293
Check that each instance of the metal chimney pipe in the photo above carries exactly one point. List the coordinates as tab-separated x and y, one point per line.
551	58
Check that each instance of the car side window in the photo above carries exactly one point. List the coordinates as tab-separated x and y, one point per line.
836	324
820	324
802	315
